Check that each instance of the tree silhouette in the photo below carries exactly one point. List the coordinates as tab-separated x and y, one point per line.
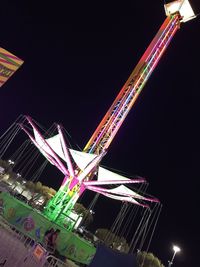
145	259
112	240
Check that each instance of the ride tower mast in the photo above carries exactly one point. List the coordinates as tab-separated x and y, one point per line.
61	205
177	12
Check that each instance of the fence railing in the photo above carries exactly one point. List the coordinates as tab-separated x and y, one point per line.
19	250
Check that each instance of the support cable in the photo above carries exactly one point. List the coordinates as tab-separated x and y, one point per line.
39	171
154	227
132	244
29	166
142	229
19	119
9	140
16	156
109	235
121	219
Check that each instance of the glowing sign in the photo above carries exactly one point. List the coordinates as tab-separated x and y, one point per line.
9	63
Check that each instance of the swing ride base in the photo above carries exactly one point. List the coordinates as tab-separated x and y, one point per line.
34	224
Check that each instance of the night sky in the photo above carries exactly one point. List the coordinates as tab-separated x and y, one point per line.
77	57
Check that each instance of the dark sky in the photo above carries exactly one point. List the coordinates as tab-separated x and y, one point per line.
77	58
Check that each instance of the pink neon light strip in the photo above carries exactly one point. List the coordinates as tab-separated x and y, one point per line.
66	152
120	198
100	189
109	182
48	156
64	170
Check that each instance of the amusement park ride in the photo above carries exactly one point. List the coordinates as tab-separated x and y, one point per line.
81	170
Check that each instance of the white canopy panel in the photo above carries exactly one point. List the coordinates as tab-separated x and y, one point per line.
121	198
82	159
104	174
42	146
55	143
123	190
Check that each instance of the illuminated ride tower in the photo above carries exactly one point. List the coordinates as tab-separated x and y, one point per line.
83	170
